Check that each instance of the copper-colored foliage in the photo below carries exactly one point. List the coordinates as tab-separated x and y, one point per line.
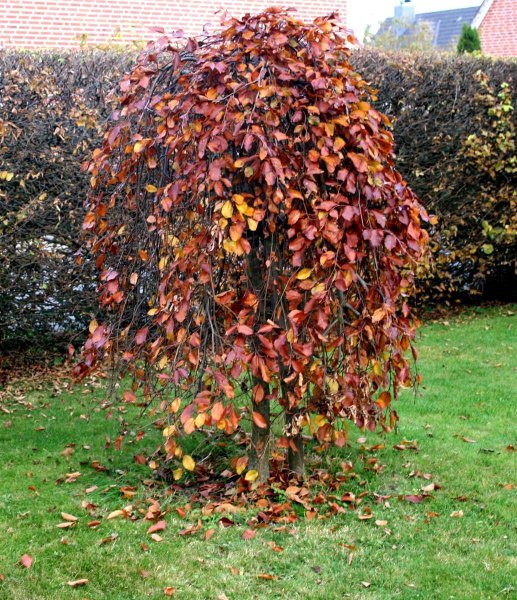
246	195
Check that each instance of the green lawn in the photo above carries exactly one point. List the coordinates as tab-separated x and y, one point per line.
463	419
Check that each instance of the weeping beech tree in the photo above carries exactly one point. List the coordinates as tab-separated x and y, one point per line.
256	245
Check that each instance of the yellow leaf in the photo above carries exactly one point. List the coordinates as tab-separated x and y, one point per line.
227	209
168	431
242	463
321	420
230	246
243	208
251	475
138	147
175	405
151	188
338	143
252	224
93	326
333	385
177	473
200	420
304	274
188	462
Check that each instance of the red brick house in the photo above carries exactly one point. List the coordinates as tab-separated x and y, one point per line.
496	21
65	23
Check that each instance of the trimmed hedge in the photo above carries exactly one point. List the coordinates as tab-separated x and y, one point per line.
53	108
455	139
456	146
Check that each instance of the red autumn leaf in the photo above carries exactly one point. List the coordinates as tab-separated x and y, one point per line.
259	420
26	561
141	335
249	534
414	499
359	160
217	411
245	330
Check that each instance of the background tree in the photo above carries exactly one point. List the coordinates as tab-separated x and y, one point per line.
246	196
401	34
469	40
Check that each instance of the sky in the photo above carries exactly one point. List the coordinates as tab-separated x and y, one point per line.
371	12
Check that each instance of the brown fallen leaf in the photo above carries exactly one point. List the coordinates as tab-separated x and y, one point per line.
208	534
380	523
93	524
156	537
65	525
275	547
367	514
267	576
110	538
457	513
77	582
169	591
469	440
26	561
68	517
159	526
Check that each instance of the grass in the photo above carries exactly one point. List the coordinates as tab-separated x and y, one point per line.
470	387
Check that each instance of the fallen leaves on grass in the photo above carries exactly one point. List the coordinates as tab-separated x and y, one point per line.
406	445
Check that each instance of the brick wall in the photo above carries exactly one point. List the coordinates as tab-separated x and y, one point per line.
498	30
63	23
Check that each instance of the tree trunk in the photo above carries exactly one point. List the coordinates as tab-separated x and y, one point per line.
295	456
261	436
